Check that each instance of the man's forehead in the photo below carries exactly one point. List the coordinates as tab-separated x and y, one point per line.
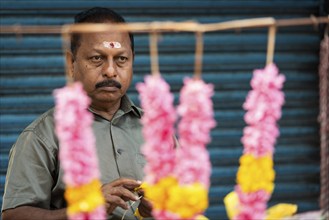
112	44
107	39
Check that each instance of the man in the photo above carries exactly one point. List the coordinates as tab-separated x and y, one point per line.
103	63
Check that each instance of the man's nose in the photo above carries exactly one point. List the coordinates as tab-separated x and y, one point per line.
110	70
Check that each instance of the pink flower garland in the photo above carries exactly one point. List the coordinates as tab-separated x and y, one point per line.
158	127
78	153
263	105
196	111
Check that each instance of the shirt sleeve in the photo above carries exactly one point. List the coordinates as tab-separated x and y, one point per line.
30	173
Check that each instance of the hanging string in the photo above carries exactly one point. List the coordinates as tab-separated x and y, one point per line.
66	38
270	44
323	119
198	54
130	206
315	22
154	53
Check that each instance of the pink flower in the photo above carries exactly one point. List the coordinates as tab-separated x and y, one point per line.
193	165
252	205
158	127
73	128
263	105
157	214
98	213
77	151
196	111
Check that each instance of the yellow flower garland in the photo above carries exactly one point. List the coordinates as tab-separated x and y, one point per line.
256	173
85	198
184	200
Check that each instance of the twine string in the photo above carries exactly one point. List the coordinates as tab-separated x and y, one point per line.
270	44
124	214
198	54
154	53
315	22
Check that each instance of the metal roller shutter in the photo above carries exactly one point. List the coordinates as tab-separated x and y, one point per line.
31	66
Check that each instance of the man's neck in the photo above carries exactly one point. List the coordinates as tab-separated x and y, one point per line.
106	111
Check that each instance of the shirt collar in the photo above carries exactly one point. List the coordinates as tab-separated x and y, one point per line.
127	105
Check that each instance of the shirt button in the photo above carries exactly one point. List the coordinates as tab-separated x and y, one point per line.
119	151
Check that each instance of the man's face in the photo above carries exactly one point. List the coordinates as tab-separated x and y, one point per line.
102	57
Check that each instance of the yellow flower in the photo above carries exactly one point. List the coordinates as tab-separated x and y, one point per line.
158	193
138	215
183	200
281	211
231	202
187	200
201	217
142	186
256	173
85	198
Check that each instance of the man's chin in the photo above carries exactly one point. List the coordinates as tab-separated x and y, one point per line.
107	97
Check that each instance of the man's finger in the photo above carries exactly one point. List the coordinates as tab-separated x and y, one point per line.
124	193
140	192
145	208
115	201
127	183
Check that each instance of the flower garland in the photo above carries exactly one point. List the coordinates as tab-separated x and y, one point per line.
78	153
197	119
158	128
176	185
255	177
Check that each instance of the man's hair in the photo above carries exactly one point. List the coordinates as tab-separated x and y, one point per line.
96	15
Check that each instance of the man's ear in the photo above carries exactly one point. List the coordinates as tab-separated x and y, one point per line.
69	63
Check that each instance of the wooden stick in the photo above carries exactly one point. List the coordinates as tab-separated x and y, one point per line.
198	54
301	21
162	26
103	27
246	23
270	44
154	53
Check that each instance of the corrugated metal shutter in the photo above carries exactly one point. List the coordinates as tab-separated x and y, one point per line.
32	66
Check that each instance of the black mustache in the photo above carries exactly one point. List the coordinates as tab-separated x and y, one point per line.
108	83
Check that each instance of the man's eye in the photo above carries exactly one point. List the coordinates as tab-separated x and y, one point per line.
122	59
96	58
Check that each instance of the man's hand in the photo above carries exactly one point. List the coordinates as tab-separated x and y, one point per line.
145	206
118	192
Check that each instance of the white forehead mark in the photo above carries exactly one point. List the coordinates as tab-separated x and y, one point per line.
111	44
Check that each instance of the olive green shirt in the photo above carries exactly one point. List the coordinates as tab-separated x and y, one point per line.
34	175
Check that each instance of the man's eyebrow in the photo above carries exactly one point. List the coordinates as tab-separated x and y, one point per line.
94	50
118	51
122	52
